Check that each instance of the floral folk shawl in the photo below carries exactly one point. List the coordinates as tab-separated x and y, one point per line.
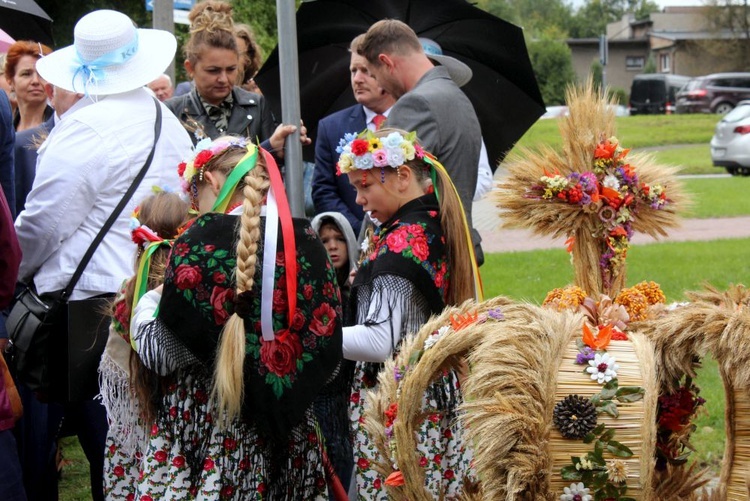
410	245
282	377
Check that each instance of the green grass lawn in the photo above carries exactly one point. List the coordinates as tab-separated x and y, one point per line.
718	197
636	132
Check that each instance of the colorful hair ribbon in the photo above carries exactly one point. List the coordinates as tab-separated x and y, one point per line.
245	165
437	166
141	276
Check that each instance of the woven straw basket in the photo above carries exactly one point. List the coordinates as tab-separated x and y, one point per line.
521	366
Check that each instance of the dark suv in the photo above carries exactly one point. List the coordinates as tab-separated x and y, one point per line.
717	93
655	93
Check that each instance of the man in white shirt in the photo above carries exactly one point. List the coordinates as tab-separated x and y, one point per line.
85	167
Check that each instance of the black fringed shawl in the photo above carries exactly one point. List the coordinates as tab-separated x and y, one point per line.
282	377
408	256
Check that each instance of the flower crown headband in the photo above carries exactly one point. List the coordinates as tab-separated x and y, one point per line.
366	151
191	171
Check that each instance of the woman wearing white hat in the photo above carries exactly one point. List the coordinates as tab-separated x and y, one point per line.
84	169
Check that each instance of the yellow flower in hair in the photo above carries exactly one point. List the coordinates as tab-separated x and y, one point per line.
409	150
345	161
375	143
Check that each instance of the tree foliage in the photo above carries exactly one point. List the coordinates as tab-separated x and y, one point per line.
551	60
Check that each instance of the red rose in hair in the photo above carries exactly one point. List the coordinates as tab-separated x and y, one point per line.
219	297
181	168
323	320
187	277
281	354
201	158
360	146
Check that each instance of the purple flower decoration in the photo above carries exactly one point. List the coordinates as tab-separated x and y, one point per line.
496	314
585	355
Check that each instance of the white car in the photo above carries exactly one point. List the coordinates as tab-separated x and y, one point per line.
730	146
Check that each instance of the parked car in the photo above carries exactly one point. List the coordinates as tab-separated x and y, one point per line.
652	94
716	93
730	146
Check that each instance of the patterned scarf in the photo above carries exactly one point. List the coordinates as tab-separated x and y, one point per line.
283	376
220	114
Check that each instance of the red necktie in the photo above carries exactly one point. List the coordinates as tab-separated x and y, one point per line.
378	121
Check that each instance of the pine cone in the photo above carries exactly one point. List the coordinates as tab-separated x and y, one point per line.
574	416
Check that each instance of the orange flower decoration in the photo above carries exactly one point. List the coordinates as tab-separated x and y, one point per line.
395	479
601	341
605	149
459	321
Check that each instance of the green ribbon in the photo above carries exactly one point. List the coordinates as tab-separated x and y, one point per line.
141	280
244	166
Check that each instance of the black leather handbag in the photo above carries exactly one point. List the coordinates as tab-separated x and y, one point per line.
34	319
31	322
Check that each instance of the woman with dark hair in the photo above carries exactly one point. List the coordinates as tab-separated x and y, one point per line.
216	106
26	84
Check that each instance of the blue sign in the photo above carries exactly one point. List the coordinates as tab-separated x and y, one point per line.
178	4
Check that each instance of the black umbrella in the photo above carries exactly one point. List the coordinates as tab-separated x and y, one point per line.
503	89
25	20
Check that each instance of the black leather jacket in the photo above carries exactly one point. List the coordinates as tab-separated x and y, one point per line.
251	117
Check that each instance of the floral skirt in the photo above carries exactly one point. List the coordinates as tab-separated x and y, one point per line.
186	456
443	452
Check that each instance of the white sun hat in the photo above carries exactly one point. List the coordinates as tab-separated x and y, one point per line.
109	56
460	72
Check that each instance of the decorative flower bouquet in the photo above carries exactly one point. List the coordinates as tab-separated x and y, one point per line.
593	193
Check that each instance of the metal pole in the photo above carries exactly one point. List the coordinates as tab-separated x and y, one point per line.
290	105
164	20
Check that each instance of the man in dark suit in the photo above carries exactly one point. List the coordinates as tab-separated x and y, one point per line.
429	102
332	193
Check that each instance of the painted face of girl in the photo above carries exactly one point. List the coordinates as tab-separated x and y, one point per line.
335	243
374	195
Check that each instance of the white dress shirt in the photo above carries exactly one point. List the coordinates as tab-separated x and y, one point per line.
83	169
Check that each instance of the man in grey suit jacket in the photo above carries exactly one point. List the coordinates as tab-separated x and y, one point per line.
428	102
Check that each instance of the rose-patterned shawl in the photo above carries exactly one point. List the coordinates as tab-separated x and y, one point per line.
282	377
410	245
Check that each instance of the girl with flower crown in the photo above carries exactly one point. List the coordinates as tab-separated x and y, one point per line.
419	260
154	225
246	333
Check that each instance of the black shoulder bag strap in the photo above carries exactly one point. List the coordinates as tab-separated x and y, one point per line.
115	213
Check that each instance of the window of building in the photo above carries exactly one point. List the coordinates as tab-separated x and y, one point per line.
665	65
634	62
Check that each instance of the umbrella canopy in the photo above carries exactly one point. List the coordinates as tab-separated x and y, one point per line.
503	89
25	20
5	41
